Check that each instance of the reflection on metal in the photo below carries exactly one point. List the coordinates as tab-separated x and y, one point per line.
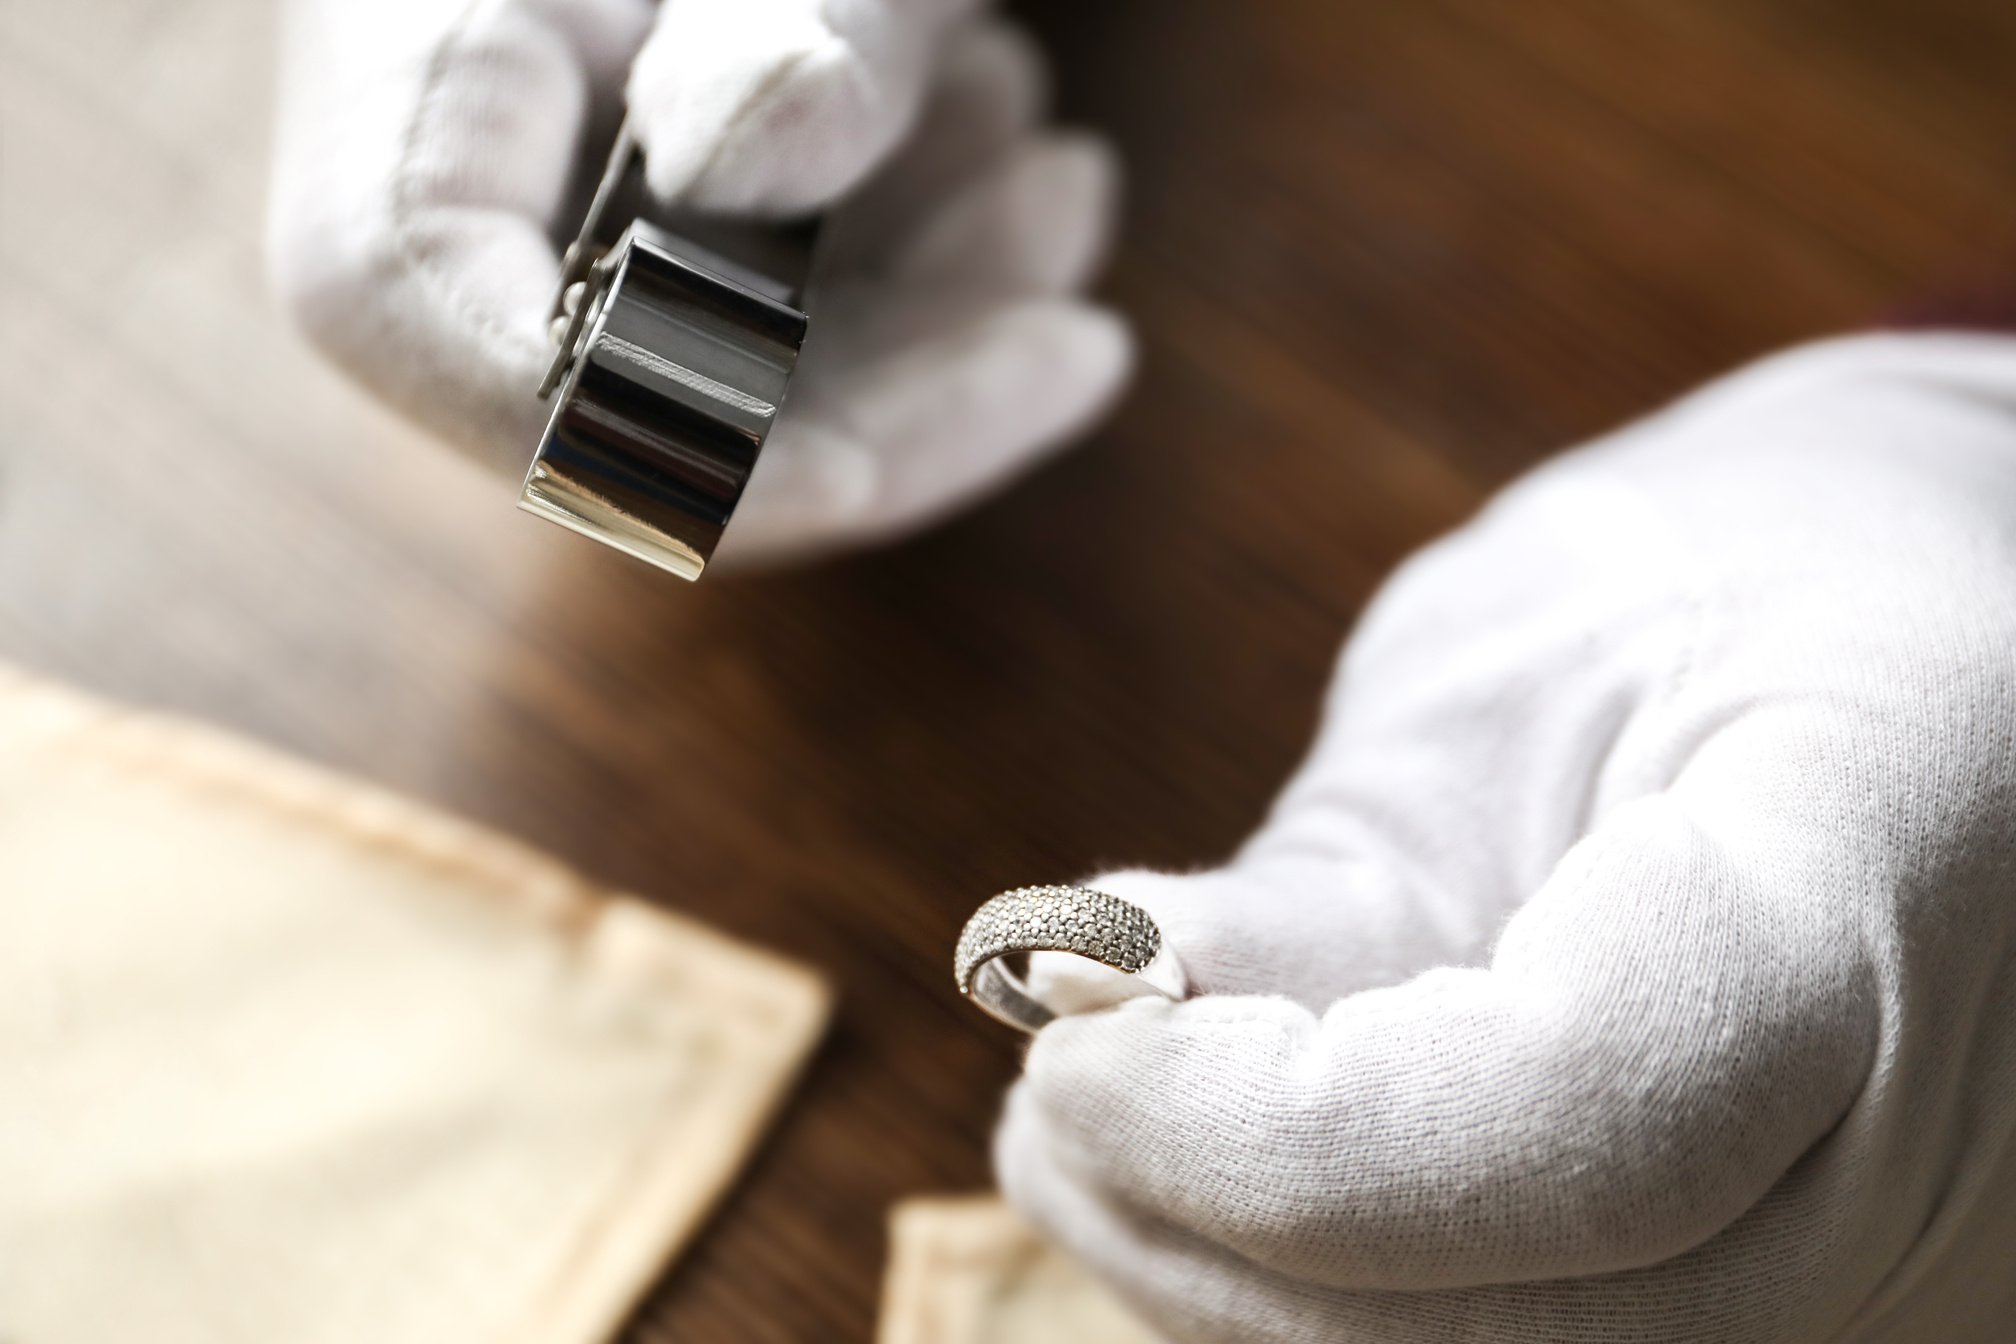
676	343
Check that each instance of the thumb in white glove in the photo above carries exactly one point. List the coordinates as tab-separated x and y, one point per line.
1634	959
780	106
427	150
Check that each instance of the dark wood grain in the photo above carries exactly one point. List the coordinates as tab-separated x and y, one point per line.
1382	256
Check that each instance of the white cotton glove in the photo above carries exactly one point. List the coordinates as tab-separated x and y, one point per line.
426	149
1634	959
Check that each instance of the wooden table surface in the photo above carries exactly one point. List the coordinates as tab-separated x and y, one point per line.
1382	256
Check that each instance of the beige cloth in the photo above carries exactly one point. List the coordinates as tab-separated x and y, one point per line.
968	1270
285	1059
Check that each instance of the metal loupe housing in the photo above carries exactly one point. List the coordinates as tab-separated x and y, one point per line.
676	344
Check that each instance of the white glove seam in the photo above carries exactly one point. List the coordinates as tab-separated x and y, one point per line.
405	243
1699	580
776	76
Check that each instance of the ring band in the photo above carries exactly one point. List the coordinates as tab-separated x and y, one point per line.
1078	920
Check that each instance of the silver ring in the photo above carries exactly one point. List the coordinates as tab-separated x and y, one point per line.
1078	920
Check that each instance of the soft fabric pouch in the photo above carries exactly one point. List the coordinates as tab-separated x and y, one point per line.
968	1270
283	1057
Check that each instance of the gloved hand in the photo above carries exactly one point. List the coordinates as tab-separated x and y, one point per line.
425	148
1634	959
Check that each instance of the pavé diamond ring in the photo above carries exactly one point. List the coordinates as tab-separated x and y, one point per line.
1077	920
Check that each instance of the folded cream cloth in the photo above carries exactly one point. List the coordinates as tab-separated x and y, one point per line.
967	1270
285	1058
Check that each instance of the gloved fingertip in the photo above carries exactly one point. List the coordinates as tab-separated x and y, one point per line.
776	113
1000	57
999	388
1037	222
1103	342
1094	350
1084	162
1082	184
